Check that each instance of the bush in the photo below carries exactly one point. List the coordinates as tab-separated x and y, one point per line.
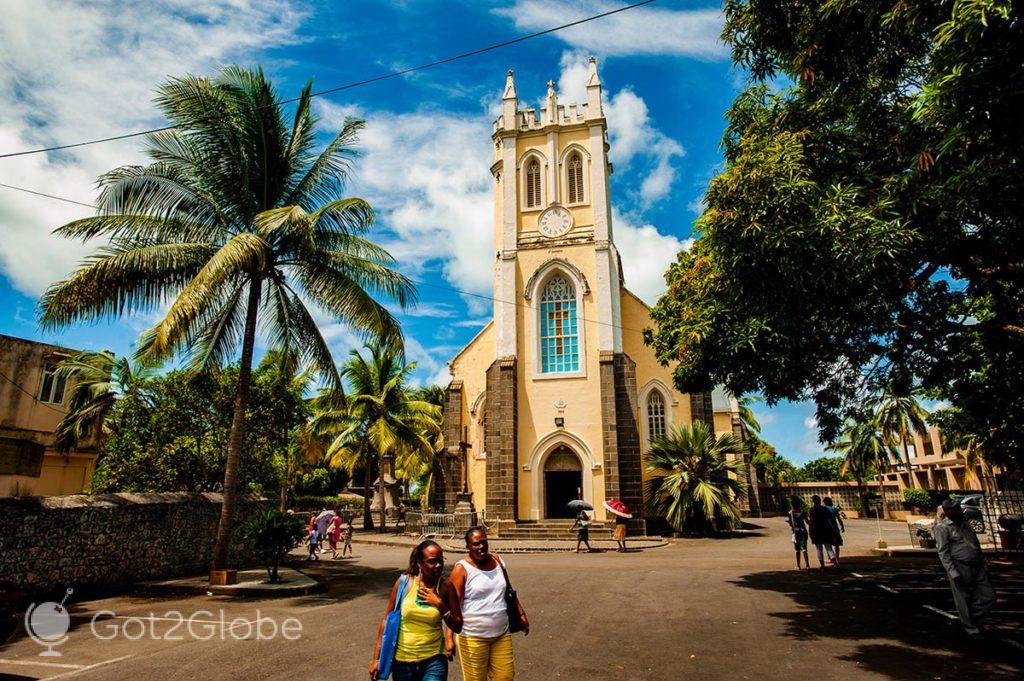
916	498
309	502
273	535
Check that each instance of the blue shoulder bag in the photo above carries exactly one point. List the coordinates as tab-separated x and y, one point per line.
389	640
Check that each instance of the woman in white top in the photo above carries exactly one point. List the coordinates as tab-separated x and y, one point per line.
485	644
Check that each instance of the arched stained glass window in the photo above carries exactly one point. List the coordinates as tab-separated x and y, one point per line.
559	340
574	174
655	416
533	198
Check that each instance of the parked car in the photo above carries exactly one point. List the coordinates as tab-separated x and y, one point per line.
973	516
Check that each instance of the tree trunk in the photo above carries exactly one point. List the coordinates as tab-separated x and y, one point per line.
367	483
227	510
863	499
380	491
906	460
881	489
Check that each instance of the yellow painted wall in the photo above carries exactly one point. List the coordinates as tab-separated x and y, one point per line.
470	367
538	395
583	215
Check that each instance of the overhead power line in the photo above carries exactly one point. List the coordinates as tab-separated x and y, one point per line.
349	86
418	283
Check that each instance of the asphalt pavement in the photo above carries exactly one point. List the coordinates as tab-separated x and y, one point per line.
697	608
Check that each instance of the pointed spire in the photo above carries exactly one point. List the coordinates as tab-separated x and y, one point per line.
510	86
552	103
594	109
592	77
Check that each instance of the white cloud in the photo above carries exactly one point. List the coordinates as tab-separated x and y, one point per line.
642	31
426	174
83	70
636	144
811	423
646	255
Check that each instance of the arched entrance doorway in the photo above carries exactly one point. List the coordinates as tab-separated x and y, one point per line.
563	482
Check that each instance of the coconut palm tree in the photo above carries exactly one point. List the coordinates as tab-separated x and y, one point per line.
862	446
380	416
99	379
898	414
747	416
235	223
694	477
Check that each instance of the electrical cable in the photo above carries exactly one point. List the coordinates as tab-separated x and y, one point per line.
348	86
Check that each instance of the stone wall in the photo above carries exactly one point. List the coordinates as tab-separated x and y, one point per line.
444	492
49	543
501	440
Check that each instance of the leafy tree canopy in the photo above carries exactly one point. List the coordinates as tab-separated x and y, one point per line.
824	469
170	432
866	227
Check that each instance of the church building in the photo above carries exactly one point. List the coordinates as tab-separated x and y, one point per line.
557	398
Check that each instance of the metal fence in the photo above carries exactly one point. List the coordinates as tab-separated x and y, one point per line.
845	495
445	525
1008	506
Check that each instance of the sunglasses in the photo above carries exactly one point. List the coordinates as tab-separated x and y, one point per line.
434	561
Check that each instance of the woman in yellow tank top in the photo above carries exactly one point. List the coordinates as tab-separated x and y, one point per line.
424	645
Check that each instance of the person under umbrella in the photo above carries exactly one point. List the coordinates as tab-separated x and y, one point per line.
582	524
622	516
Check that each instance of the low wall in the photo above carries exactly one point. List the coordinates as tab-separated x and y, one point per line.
49	543
844	494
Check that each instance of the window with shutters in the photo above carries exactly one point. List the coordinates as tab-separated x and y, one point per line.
574	178
559	340
655	416
533	190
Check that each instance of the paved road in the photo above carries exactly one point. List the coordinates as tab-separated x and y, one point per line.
708	609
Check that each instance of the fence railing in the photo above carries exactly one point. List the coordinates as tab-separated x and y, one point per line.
445	525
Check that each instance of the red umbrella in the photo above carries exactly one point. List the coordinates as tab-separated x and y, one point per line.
618	508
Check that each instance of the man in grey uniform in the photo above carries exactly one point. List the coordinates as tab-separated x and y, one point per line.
961	556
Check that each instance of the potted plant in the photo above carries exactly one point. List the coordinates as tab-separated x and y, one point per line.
273	534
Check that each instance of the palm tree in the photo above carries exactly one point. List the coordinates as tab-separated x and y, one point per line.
380	416
898	414
427	468
234	223
694	477
747	416
99	379
862	445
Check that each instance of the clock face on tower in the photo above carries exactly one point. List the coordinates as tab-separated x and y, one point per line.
554	221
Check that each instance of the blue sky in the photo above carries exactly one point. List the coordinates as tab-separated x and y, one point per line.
81	70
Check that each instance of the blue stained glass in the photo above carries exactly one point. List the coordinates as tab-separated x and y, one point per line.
558	331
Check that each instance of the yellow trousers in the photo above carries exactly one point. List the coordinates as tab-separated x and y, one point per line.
487	658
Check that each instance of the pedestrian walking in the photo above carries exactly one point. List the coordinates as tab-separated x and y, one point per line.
822	530
334	534
619	534
797	520
487	598
429	612
582	527
346	536
311	542
840	526
960	554
323	519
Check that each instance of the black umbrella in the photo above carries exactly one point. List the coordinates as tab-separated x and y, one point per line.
579	505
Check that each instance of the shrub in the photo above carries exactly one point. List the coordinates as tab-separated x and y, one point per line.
273	535
916	498
309	502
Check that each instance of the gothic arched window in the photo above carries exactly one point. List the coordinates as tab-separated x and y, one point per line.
559	340
574	178
655	416
533	196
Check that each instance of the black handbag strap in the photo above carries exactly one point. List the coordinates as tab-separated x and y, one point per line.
508	582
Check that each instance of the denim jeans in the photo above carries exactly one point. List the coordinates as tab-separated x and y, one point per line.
432	669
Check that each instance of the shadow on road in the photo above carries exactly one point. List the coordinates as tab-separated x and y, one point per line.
896	637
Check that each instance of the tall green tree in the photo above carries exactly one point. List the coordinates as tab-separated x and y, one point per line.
379	416
99	379
236	222
867	220
898	415
863	448
693	479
